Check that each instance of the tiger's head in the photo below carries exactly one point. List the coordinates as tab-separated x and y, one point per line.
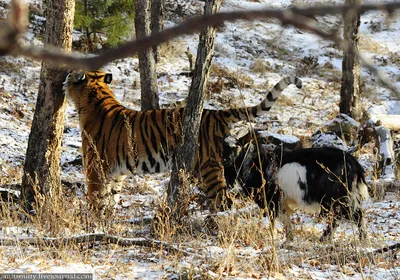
80	84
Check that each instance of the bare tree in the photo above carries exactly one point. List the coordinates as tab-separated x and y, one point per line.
157	22
186	150
42	163
147	65
350	90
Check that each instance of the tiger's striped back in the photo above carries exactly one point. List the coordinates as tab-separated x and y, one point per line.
117	140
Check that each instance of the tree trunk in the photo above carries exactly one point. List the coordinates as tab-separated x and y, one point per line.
186	150
42	163
350	90
148	78
89	45
157	23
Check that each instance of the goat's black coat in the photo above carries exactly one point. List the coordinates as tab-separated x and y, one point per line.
333	179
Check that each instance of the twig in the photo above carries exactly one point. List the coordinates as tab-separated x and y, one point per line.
191	59
95	237
370	254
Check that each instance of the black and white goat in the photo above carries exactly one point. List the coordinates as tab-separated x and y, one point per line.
325	180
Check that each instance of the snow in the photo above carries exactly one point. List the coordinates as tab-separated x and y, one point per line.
284	138
297	114
387	107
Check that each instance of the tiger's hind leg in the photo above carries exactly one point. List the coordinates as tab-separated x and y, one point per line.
109	197
215	186
104	197
116	188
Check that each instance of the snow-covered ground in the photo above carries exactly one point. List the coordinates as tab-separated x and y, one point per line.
243	249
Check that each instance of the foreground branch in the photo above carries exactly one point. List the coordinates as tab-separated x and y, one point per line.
393	247
190	26
297	17
14	27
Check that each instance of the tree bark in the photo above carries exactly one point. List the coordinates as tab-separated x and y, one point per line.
147	66
186	150
42	163
157	23
350	90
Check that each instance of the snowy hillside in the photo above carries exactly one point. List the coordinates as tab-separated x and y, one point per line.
255	54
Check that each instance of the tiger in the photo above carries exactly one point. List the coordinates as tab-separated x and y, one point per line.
118	141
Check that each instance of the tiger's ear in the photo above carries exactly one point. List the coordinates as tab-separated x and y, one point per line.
108	78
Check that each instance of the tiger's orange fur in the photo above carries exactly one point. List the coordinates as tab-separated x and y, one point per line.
117	140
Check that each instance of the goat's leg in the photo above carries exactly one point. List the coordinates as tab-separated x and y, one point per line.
328	232
270	211
284	216
272	224
285	219
359	217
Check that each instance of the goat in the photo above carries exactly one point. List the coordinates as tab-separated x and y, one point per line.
325	180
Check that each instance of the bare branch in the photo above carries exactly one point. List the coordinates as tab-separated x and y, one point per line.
190	26
297	17
393	247
15	26
96	237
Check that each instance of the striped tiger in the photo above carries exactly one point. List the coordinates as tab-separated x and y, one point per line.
117	141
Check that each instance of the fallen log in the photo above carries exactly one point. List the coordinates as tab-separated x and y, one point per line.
391	122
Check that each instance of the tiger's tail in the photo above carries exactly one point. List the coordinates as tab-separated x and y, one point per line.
252	112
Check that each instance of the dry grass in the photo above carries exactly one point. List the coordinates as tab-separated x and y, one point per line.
243	244
260	66
231	79
368	45
52	219
222	80
309	66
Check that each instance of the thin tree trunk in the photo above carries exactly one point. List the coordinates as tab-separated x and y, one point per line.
147	66
42	163
157	23
186	150
88	40
350	90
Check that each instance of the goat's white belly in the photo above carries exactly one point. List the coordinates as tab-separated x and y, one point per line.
289	178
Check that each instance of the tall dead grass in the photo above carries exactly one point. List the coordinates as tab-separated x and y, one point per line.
240	245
